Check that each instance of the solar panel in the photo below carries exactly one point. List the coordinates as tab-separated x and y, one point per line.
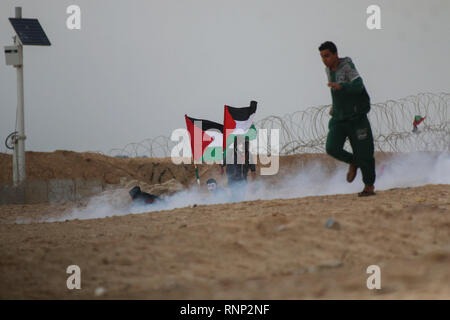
30	32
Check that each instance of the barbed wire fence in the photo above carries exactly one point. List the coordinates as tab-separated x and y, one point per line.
160	146
306	131
391	122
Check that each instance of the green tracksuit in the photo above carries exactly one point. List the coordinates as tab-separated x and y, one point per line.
349	120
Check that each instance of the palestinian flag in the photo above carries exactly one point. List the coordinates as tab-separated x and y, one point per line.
208	139
418	120
238	121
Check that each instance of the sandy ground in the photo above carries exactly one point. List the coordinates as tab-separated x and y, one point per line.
277	249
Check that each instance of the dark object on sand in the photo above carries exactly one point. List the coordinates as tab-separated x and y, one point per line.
142	197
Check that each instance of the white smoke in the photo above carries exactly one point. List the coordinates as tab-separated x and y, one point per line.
400	171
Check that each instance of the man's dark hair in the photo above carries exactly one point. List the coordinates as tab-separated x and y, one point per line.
328	45
211	181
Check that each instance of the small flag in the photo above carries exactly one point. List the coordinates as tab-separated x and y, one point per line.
416	122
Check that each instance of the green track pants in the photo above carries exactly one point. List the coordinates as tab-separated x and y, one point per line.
359	133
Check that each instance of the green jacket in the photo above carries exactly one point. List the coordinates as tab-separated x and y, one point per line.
352	100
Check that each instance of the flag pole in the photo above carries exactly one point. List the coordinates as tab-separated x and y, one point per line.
196	174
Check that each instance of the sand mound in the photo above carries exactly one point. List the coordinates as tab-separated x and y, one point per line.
72	165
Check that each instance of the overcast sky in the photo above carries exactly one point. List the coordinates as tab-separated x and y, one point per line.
136	67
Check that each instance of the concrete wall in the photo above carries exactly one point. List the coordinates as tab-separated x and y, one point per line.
12	195
61	190
36	192
86	188
55	190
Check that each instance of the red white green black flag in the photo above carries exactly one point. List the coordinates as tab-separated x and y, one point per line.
238	121
206	139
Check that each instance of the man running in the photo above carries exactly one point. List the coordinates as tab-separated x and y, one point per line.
350	105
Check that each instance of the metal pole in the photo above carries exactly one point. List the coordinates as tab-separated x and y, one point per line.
15	164
20	175
18	12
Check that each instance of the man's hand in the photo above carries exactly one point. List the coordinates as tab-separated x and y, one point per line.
220	169
331	111
334	86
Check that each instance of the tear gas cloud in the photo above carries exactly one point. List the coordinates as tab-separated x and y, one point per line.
400	171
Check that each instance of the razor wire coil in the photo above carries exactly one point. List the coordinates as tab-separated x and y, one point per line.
306	131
